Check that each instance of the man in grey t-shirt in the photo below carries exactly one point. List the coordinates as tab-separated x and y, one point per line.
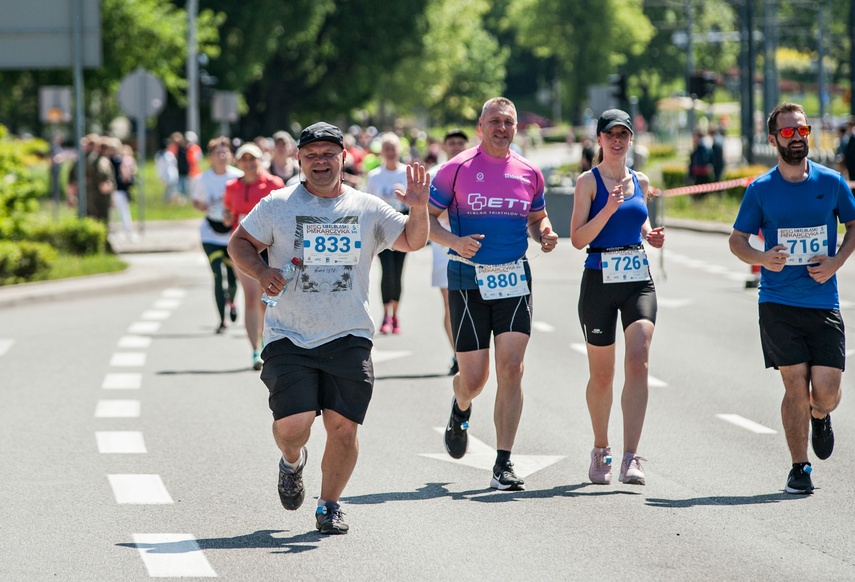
317	359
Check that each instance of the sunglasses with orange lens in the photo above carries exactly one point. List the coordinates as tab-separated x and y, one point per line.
788	132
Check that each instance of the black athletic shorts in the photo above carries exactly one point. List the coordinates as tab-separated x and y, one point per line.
338	376
600	302
795	335
473	319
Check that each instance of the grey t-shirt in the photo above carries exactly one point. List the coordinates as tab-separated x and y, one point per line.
325	302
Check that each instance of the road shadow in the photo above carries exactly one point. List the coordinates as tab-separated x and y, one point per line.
204	372
262	539
488	495
724	500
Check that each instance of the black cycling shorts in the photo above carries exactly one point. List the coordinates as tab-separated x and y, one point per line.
338	376
599	304
474	319
795	335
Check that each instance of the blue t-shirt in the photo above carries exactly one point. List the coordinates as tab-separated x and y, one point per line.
623	227
771	203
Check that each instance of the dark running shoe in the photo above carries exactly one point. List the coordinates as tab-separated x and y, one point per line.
822	437
291	491
454	367
456	438
222	329
233	312
329	519
799	479
504	478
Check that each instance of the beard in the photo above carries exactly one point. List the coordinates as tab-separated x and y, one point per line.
790	157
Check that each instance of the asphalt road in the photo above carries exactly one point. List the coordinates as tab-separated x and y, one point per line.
136	444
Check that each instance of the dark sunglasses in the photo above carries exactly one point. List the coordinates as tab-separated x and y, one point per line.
788	132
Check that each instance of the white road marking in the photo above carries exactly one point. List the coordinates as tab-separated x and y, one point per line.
715	269
652	381
117	409
134	341
542	326
117	381
173	555
155	315
746	424
144	327
120	442
128	359
166	303
666	302
846	304
849	353
174	293
5	345
481	456
139	489
385	355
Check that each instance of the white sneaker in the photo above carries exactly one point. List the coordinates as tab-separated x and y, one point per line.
600	471
631	472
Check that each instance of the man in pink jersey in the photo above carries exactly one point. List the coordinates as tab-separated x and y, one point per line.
495	201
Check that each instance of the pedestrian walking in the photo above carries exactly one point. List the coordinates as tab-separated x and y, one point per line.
495	201
797	205
208	193
318	337
610	218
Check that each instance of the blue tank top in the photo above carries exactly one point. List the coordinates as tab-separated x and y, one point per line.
624	226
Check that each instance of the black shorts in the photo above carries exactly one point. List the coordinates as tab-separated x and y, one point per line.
795	335
338	376
473	319
600	302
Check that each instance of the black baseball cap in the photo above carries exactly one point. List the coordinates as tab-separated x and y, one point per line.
613	117
456	132
321	131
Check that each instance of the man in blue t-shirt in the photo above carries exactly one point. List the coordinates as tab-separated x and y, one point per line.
797	205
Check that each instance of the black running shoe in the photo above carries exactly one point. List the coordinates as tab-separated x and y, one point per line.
454	367
222	329
822	437
233	312
456	438
291	491
504	478
329	520
799	479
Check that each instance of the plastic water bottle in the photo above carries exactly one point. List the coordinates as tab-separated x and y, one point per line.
289	273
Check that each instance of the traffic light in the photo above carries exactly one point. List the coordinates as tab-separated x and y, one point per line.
702	84
618	83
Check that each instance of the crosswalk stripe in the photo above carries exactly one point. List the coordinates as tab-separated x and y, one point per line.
173	555
139	489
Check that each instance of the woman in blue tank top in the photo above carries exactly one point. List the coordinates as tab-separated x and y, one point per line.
610	218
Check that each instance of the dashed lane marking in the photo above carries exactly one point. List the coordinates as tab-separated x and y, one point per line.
139	489
155	315
123	442
174	293
173	555
120	381
743	422
134	341
482	456
128	360
542	326
166	303
385	355
117	409
5	345
144	327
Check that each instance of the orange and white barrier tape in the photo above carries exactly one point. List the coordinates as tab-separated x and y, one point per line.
703	188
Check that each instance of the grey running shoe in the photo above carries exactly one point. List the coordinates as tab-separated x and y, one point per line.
821	436
799	481
631	472
600	471
291	491
504	478
456	437
328	519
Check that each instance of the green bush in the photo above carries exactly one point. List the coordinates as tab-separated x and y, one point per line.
74	236
737	192
23	261
661	151
674	176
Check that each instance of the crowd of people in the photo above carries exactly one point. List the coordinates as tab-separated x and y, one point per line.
330	201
